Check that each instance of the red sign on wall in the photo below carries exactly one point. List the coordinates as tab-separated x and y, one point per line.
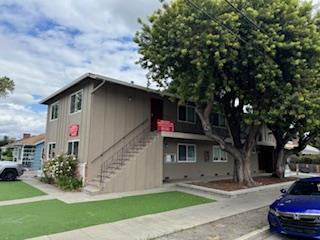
165	126
74	130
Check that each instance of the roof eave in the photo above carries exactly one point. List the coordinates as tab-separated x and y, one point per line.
82	77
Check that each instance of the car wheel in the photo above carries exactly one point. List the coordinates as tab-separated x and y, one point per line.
9	175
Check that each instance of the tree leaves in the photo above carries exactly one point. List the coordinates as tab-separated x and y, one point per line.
6	86
275	74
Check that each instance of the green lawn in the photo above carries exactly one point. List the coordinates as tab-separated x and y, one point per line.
53	216
17	190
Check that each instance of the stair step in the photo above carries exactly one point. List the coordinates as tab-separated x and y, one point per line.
123	156
91	190
93	183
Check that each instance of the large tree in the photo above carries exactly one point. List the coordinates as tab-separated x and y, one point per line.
297	120
6	86
296	116
206	52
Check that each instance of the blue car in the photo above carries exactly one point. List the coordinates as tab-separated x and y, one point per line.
297	211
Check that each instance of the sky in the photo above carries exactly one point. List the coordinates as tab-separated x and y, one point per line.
46	44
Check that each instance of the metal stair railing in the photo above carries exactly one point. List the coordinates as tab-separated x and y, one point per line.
144	122
119	156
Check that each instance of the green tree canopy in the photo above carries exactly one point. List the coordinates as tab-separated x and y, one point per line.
6	86
206	52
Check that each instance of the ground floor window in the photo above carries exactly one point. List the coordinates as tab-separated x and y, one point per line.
219	155
51	150
186	152
73	148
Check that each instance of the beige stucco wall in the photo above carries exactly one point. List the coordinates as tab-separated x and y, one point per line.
199	169
142	172
58	130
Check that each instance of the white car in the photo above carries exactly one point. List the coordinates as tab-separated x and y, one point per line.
9	171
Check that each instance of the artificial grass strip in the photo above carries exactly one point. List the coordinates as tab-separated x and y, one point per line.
52	216
17	190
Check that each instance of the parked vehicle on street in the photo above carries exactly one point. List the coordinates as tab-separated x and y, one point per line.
297	211
9	171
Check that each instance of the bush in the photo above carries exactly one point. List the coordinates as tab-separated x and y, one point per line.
62	171
69	183
307	159
47	179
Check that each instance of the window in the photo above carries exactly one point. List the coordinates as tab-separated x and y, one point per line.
51	150
76	102
187	114
219	155
186	153
54	111
218	120
73	148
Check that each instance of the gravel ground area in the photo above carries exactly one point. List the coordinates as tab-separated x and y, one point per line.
225	229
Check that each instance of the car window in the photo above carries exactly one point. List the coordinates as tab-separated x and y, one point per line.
305	188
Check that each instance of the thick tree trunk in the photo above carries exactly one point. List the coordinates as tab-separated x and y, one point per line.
248	179
238	171
280	162
240	152
242	169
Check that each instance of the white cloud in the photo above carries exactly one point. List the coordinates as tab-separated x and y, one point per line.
17	119
46	44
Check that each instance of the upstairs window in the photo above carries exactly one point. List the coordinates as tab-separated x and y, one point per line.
219	155
76	102
187	114
51	150
73	148
54	111
218	120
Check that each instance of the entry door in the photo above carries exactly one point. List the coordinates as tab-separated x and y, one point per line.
265	157
156	112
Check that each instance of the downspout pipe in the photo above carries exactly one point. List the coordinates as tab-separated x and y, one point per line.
98	87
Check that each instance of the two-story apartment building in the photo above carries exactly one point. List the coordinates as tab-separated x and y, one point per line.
111	126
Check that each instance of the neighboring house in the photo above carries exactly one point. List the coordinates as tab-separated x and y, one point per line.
111	126
28	151
36	164
309	150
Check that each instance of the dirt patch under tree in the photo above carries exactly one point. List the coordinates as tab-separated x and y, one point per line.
229	185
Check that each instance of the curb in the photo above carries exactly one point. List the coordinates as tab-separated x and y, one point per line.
233	194
255	234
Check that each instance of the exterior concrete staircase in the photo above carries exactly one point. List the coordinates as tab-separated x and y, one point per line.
110	168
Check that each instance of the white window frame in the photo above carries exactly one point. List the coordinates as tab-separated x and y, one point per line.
186	121
220	151
73	141
51	109
48	149
70	97
187	160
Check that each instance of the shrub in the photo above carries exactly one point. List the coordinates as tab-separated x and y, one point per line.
307	159
69	183
47	179
63	172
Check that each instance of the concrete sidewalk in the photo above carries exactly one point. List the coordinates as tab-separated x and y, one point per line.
77	197
156	225
26	200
